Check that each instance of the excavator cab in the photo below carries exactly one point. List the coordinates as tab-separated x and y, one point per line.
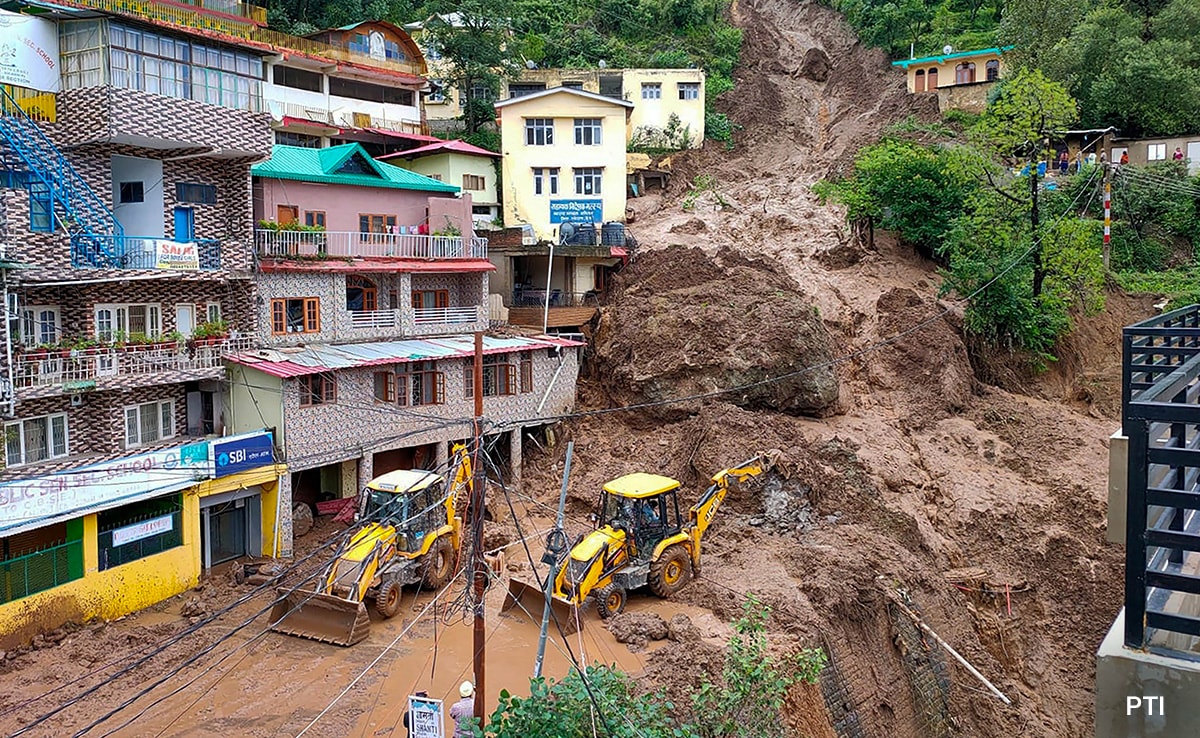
645	506
411	500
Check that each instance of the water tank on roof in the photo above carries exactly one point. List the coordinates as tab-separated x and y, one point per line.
585	235
612	234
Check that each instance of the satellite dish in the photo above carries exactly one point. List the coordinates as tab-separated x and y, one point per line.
947	49
566	232
530	64
603	64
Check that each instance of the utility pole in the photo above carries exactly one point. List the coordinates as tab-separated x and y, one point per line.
556	546
1107	214
479	566
1038	270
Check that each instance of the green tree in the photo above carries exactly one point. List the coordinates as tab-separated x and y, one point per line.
1034	27
748	700
479	52
1150	90
1025	109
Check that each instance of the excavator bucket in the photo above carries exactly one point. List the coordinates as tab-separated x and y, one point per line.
528	597
321	617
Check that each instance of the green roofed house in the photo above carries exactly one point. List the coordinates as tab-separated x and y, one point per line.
960	79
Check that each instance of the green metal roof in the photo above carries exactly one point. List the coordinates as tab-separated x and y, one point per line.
322	166
938	59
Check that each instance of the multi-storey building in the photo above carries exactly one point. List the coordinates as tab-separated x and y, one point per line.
126	205
371	280
458	162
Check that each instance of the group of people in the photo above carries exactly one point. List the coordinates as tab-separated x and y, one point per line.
1065	165
461	712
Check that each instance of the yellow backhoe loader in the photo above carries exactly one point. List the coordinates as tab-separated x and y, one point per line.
408	533
640	540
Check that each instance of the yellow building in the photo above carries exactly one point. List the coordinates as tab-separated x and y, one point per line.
563	158
960	79
105	540
460	164
656	94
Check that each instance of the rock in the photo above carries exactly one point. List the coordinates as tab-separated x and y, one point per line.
757	522
272	569
815	66
39	641
194	607
257	580
636	629
681	629
302	519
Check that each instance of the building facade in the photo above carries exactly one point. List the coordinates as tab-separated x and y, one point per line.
1143	151
960	79
458	162
563	159
668	104
128	240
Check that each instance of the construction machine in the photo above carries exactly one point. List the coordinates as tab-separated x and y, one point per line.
408	532
640	540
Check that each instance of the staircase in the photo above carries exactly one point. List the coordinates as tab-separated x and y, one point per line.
33	162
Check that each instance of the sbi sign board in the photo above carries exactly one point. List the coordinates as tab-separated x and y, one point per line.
240	454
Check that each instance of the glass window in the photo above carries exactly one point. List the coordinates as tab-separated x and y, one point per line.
128	321
318	389
370	92
149	422
40	325
539	131
299	79
1156	152
689	90
201	194
32	440
289	138
296	315
587	131
587	180
419	383
651	90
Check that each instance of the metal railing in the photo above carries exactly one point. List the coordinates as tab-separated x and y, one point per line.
35	572
374	318
284	244
448	315
134	252
37	105
532	297
1161	419
52	367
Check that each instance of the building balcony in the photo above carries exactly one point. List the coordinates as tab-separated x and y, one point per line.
47	372
134	252
418	321
285	244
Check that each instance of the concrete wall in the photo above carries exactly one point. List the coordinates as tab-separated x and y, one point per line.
450	168
343	204
521	205
1140	149
139	218
1126	678
969	98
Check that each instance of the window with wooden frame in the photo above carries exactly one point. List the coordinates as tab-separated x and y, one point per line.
430	299
473	182
318	389
419	383
527	371
296	315
361	294
385	387
314	218
369	224
499	377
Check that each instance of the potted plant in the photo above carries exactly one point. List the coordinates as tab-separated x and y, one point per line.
211	332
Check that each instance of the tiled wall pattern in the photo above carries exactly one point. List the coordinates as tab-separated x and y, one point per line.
358	426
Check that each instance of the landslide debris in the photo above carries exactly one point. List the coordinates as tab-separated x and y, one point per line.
686	323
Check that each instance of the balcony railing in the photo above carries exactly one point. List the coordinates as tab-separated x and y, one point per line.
447	315
85	367
374	318
132	252
533	297
285	244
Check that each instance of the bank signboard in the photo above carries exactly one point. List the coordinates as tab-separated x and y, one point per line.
242	453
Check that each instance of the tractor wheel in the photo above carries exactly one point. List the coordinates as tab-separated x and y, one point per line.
437	564
610	601
671	571
387	599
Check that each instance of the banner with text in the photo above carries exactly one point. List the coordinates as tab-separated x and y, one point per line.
28	52
576	211
175	255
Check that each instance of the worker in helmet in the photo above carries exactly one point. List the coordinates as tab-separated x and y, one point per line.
463	711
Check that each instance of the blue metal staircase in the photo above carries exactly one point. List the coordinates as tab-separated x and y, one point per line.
33	162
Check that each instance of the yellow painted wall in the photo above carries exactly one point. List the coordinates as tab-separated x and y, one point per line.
520	204
108	594
451	168
262	409
265	477
655	113
945	70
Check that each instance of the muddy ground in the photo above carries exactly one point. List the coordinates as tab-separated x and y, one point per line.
957	484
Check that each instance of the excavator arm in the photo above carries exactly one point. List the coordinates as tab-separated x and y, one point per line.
705	509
